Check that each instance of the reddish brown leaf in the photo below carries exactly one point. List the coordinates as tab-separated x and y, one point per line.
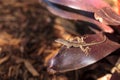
108	16
70	15
73	58
87	5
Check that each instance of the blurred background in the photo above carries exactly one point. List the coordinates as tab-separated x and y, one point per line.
27	34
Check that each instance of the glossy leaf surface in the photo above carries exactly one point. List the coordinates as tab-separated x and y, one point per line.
87	5
73	16
68	59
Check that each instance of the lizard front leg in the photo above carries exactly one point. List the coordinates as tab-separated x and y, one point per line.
79	39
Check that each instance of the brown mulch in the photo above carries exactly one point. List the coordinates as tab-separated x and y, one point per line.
27	34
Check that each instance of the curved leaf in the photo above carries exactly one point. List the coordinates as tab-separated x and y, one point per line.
73	58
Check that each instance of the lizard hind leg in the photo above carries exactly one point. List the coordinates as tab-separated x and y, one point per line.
86	50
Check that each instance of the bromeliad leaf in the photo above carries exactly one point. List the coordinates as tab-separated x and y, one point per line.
74	16
107	16
86	5
73	58
99	7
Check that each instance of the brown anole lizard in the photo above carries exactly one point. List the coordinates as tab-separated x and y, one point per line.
79	43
